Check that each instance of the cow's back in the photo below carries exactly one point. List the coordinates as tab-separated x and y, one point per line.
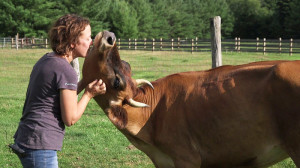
221	108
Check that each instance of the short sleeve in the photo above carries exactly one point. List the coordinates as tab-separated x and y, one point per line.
67	78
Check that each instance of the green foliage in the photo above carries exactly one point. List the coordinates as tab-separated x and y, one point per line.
144	17
97	11
28	18
292	22
251	18
203	10
180	21
160	25
156	18
7	22
123	19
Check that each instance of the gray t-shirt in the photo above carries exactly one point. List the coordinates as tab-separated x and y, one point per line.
41	125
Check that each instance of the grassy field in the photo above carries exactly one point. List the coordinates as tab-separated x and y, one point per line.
94	141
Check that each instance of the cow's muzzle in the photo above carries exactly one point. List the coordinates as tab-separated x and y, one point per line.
109	37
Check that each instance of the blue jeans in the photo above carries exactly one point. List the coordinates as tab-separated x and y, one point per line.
39	158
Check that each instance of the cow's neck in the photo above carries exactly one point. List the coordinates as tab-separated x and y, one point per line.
140	119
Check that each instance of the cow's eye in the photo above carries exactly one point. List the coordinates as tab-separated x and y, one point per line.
117	83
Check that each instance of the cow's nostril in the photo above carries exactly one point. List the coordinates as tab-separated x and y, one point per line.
110	40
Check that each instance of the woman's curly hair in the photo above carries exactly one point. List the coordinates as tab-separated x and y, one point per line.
66	31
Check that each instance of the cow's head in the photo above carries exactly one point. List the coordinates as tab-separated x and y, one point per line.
103	62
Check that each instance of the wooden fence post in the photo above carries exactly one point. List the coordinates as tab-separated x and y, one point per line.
239	44
46	43
17	41
129	43
178	43
22	42
257	44
172	44
291	47
145	43
196	43
264	46
215	26
235	44
119	45
32	42
161	44
153	44
280	45
12	41
135	44
192	46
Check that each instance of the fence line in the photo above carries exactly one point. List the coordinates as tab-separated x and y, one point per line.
263	45
228	45
178	44
5	42
8	42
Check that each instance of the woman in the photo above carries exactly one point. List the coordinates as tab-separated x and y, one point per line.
51	99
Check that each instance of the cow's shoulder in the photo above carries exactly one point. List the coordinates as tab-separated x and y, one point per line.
288	71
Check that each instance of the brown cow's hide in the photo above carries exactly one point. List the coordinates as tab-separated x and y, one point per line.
231	116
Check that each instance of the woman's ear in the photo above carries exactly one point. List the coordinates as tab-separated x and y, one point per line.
72	46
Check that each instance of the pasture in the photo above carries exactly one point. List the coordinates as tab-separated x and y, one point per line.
94	141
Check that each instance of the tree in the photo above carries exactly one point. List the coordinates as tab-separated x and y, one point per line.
179	19
282	12
144	17
202	11
97	11
30	18
123	19
250	18
7	22
160	25
44	13
292	21
156	18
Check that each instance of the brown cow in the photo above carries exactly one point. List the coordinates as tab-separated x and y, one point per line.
231	116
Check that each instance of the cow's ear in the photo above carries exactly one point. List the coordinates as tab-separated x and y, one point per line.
118	116
97	39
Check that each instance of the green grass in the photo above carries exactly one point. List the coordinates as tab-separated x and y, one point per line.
94	141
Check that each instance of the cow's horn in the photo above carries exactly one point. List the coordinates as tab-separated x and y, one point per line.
144	81
134	103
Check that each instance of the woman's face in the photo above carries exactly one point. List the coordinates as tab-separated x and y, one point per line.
84	43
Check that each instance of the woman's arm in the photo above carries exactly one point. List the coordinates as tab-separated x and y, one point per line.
71	110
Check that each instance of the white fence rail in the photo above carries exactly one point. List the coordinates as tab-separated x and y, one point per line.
263	45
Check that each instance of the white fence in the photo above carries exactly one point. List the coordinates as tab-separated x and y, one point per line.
8	42
291	46
5	42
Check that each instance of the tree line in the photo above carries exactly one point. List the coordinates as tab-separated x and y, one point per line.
156	18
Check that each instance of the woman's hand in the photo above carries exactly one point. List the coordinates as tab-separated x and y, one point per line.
97	87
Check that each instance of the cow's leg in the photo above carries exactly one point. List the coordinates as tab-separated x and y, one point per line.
187	161
186	164
294	152
293	148
290	135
